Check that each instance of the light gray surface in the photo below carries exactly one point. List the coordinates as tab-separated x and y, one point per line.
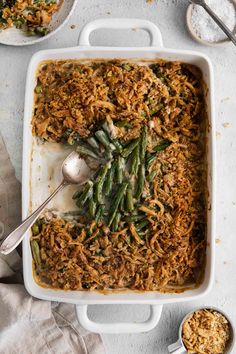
169	15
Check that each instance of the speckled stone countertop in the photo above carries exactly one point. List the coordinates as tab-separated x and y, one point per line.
169	15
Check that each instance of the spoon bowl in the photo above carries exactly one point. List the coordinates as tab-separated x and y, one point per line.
75	170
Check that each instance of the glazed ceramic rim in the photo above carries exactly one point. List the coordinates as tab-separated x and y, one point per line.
196	37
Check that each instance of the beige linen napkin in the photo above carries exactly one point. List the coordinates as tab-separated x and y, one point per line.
28	325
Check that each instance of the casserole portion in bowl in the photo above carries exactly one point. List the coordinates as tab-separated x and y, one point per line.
32	17
140	222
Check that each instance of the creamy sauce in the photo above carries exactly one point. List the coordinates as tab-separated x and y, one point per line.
46	175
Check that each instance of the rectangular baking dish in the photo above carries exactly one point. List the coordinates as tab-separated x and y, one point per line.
85	50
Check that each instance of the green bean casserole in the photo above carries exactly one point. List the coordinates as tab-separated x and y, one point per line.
140	222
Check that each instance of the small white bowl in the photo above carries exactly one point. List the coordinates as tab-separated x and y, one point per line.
179	348
16	37
195	35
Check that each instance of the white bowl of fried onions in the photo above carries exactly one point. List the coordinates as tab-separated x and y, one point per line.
205	330
26	22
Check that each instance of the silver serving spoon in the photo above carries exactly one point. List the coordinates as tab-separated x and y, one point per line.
217	20
74	171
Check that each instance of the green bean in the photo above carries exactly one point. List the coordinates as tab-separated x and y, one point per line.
150	159
35	229
130	147
151	176
149	100
143	144
157	70
99	253
115	223
140	181
100	213
86	194
77	194
129	199
117	145
36	252
141	225
105	127
99	184
104	140
123	124
42	31
86	285
107	130
162	146
129	240
30	32
134	218
135	161
122	204
116	202
114	142
93	142
156	109
84	151
141	234
109	179
120	164
39	88
126	66
89	232
63	270
92	207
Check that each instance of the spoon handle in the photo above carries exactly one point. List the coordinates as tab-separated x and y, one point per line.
220	23
15	237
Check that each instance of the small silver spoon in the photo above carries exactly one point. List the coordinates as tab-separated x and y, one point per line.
74	171
217	20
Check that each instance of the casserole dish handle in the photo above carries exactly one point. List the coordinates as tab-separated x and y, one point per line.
121	23
119	327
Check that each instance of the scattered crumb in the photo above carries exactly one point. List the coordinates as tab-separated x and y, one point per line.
72	26
218	135
233	203
218	240
226	125
225	262
225	99
108	13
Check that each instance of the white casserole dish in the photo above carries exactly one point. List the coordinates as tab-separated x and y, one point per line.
30	172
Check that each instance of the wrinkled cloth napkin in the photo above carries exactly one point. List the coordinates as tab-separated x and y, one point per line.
29	325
